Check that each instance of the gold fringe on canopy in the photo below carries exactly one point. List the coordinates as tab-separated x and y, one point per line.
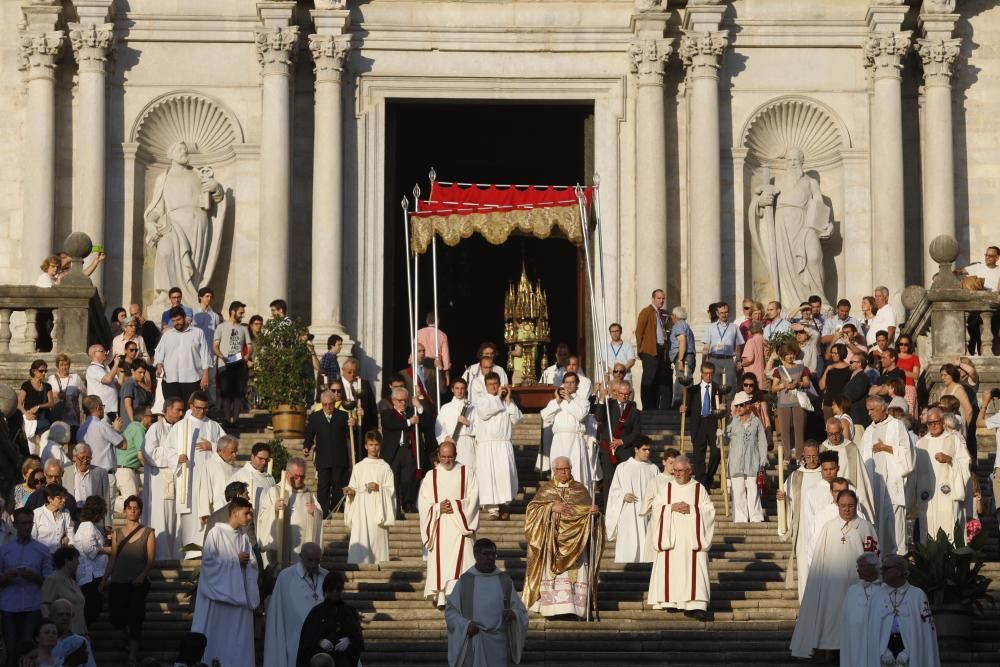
495	226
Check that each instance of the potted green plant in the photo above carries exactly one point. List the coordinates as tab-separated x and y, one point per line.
948	570
283	374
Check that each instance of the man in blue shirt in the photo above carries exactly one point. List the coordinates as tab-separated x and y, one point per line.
682	352
24	564
174	295
723	341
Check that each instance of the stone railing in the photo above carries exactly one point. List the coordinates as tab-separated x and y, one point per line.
950	321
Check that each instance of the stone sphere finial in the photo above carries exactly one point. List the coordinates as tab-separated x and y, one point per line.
78	245
912	296
944	249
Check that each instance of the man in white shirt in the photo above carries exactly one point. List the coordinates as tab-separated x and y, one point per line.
104	439
182	358
620	351
885	318
102	379
82	479
990	273
833	324
554	374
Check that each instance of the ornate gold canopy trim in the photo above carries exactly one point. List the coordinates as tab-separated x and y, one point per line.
495	226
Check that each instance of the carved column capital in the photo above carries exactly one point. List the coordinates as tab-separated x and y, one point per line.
647	59
649	6
883	53
92	44
938	58
276	48
329	54
701	52
38	51
938	7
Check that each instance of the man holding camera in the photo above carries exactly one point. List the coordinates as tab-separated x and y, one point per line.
496	415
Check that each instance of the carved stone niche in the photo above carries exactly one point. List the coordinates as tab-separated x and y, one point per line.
772	130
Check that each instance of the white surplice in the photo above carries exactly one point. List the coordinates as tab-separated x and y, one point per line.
680	578
182	439
566	419
302	525
447	421
227	596
888	473
369	515
482	598
257	482
853	631
939	488
798	487
906	609
624	521
473	377
834	569
448	538
210	491
295	594
159	489
853	469
651	503
495	468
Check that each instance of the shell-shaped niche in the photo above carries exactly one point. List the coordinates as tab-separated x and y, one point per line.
789	123
209	131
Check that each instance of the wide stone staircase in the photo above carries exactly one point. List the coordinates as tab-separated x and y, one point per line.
752	611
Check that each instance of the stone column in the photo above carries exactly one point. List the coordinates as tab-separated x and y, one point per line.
276	48
647	61
39	49
93	41
884	49
700	52
330	49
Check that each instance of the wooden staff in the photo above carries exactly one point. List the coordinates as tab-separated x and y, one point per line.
782	517
279	537
182	493
354	457
723	476
683	417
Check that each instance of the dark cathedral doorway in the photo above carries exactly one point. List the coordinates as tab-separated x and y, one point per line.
510	143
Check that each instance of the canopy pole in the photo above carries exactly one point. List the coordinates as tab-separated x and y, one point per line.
410	302
432	177
600	266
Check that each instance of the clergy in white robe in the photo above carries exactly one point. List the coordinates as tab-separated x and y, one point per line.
900	624
798	487
475	375
449	519
487	622
370	505
652	500
210	493
458	409
227	590
288	516
941	473
683	530
565	415
624	521
833	571
853	628
496	470
297	590
852	465
888	455
254	473
159	483
191	443
562	526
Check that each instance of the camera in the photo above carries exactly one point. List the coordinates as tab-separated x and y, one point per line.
994	393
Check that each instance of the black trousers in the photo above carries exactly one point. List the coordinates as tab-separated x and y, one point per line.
404	469
330	483
93	600
127	607
703	439
652	378
19	633
181	390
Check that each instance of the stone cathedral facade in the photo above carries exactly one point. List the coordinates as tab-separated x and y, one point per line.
282	107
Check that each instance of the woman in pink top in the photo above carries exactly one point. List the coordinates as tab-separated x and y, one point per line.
909	363
755	354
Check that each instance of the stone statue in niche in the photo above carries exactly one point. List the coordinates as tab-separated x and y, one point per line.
788	221
183	224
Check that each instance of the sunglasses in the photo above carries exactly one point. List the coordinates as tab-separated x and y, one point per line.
618	372
751	385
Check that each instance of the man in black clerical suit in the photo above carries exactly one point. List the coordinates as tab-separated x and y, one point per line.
327	432
704	405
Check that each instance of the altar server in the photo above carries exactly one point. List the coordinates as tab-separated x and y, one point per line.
370	505
254	473
941	475
449	519
625	522
565	414
800	486
853	628
684	528
888	455
900	625
852	465
292	509
210	494
227	590
159	481
495	417
454	423
297	590
652	500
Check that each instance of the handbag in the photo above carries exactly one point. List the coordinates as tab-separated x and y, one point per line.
802	397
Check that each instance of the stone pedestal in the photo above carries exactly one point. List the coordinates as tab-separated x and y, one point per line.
39	51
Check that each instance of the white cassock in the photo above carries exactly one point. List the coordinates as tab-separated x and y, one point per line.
257	482
227	596
939	488
181	439
799	487
301	525
853	631
495	467
295	594
447	421
566	418
448	538
160	488
834	569
482	598
477	386
652	501
904	610
369	515
888	473
624	522
679	579
210	492
853	469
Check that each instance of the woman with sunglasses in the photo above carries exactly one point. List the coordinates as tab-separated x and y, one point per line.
835	377
31	473
758	406
70	390
909	363
755	313
35	399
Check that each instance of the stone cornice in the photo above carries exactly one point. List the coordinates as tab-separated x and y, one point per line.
938	58
647	59
701	51
883	52
38	51
276	48
92	43
329	54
